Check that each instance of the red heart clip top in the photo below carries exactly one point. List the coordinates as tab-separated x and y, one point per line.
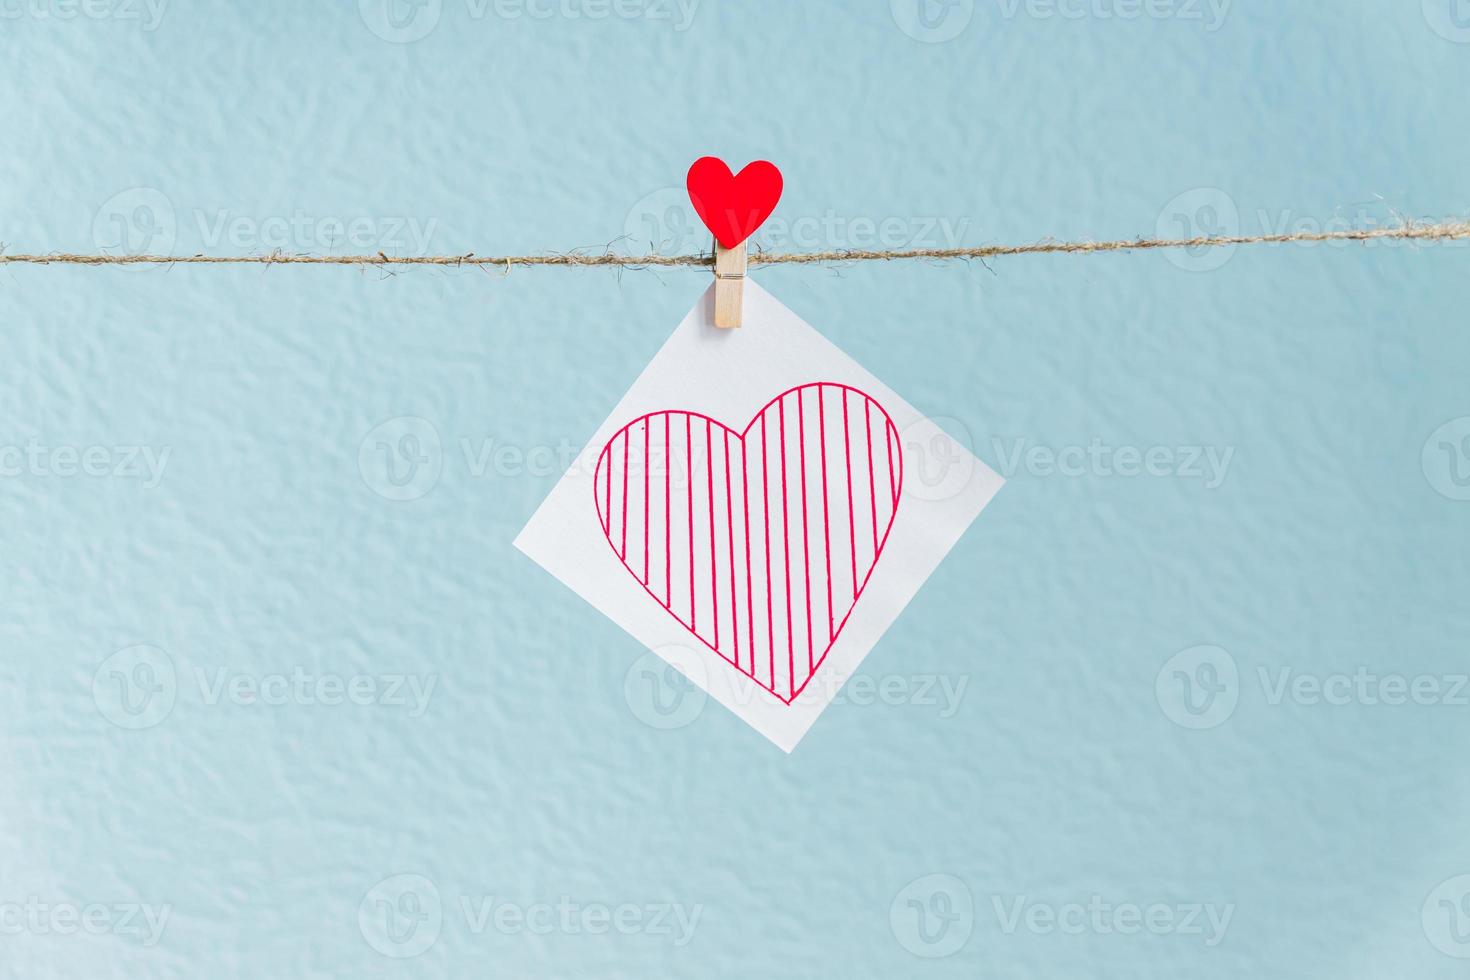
732	206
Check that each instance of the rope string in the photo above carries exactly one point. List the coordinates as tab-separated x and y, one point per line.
1409	231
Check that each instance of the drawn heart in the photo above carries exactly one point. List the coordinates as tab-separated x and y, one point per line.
732	206
761	541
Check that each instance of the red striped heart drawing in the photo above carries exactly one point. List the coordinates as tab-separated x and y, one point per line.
761	541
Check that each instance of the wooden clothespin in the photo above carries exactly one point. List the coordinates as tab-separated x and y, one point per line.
732	207
729	285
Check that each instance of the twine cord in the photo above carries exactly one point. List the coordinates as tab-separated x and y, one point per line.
1408	231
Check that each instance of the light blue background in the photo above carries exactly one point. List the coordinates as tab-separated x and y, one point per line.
532	775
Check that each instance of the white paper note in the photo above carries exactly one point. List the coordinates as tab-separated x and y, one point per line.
752	511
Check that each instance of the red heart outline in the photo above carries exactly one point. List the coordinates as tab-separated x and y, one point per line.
732	206
730	543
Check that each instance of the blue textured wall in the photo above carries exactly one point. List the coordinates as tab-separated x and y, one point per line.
201	550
